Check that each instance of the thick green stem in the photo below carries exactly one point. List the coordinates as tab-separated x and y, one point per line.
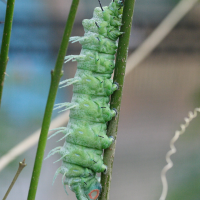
117	96
6	42
55	78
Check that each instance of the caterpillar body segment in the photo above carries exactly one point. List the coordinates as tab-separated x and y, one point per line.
83	156
99	43
94	61
87	82
94	134
101	28
91	108
85	135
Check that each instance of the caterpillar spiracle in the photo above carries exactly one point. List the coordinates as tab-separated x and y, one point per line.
85	135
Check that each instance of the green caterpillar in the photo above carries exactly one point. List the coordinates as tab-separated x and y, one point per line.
85	136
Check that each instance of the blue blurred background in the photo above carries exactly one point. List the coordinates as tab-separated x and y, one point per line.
157	96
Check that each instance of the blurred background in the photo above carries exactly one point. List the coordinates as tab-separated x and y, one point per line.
157	96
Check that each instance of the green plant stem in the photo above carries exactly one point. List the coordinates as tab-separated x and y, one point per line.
6	42
55	78
117	96
21	167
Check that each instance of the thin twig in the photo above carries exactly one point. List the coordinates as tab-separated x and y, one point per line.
55	78
21	167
